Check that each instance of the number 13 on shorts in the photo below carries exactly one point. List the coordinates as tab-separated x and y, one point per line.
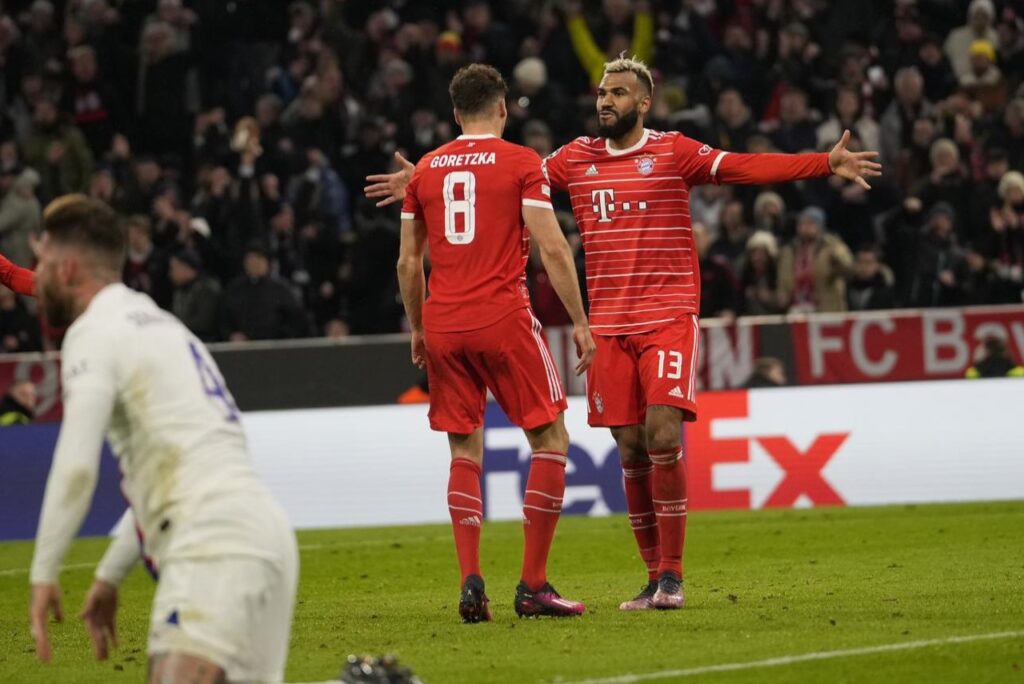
670	364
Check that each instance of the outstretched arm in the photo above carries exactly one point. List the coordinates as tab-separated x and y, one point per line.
21	280
765	169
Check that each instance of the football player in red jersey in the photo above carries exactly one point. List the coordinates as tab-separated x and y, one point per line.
471	202
630	194
21	280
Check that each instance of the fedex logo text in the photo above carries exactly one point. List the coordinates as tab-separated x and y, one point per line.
772	469
751	471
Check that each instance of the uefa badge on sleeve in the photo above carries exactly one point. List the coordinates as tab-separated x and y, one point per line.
645	165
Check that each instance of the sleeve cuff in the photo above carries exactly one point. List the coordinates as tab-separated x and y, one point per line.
408	216
717	162
537	203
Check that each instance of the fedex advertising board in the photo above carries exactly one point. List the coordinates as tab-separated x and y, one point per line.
869	444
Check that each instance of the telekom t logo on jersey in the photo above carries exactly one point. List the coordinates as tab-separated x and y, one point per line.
604	204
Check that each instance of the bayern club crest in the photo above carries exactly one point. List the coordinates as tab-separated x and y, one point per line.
645	165
598	403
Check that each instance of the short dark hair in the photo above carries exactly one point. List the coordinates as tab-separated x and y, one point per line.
82	221
476	87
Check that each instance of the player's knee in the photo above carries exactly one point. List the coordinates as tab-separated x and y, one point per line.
662	438
632	446
550	437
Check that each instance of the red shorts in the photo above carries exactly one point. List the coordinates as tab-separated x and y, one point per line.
632	372
510	358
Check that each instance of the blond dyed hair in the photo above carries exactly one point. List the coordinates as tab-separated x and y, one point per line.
631	65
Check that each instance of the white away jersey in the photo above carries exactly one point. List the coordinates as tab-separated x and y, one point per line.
174	427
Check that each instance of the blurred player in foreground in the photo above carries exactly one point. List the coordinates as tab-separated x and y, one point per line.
224	550
630	194
472	201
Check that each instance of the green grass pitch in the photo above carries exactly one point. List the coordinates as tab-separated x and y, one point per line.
760	585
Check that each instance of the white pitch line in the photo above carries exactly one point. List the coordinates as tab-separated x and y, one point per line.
806	657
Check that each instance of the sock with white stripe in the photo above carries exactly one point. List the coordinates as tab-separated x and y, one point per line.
542	505
466	508
669	497
637	480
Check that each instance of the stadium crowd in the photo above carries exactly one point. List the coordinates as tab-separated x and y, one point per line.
235	137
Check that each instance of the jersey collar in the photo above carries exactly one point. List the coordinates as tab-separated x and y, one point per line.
640	143
479	136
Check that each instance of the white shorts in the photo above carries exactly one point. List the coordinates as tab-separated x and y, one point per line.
235	611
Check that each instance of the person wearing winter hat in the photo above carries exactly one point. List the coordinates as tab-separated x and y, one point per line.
813	268
196	298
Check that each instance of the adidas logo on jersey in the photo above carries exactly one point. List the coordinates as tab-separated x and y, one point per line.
592	171
677	393
473	521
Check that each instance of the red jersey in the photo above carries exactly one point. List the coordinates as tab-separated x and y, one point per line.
633	211
471	193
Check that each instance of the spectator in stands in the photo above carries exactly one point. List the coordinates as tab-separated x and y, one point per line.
980	17
984	82
145	269
770	213
487	40
532	96
20	214
734	232
768	372
797	131
994	361
985	193
871	285
630	28
938	264
167	92
983	282
759	278
58	151
897	123
18	406
813	268
1009	135
718	286
733	125
935	69
849	115
948	180
1005	236
19	330
196	299
259	306
93	102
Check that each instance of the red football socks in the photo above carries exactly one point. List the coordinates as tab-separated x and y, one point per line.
466	509
669	497
638	483
542	505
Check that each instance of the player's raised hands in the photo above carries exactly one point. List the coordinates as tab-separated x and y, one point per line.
45	599
390	186
853	166
585	347
100	617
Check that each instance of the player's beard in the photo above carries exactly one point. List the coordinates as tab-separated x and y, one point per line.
623	124
58	308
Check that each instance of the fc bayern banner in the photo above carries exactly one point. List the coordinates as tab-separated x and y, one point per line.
895	345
